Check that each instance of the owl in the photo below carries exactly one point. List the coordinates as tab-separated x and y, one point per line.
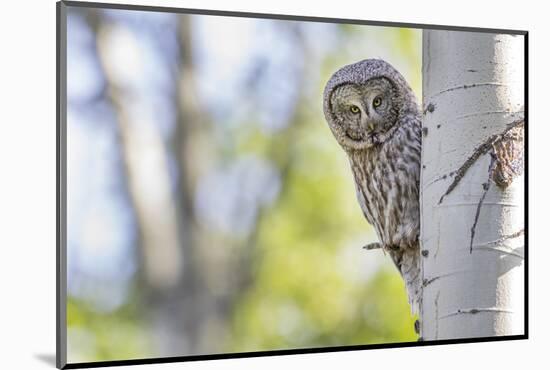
374	116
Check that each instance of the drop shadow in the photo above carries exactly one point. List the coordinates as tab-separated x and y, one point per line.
47	358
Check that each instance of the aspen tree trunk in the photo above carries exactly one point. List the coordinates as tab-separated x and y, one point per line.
472	195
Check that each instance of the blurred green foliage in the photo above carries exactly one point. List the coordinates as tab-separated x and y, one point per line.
106	336
304	294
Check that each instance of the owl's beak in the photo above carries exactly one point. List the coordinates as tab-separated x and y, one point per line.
370	127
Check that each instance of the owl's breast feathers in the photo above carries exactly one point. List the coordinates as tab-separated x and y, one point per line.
387	180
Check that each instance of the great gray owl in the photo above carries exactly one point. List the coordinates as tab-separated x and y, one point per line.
374	116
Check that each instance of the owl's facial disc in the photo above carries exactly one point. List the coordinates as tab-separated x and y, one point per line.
362	113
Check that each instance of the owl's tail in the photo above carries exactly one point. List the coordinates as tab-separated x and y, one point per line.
408	264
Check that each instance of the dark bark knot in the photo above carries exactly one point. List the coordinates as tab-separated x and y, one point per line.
430	108
507	150
509	153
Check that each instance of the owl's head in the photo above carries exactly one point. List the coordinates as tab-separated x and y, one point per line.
364	102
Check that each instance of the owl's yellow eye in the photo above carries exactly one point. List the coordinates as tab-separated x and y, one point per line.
354	109
376	102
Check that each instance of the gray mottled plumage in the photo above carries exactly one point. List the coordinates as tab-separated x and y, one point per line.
374	116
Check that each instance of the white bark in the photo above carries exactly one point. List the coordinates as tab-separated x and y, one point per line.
473	88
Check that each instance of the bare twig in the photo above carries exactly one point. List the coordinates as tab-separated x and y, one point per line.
372	246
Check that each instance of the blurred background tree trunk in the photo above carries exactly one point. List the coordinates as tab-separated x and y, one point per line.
163	223
472	185
187	282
